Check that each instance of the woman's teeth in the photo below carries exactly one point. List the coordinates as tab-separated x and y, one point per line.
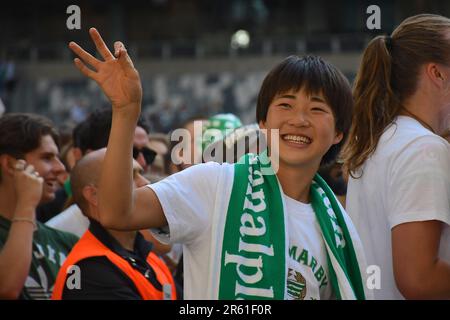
297	139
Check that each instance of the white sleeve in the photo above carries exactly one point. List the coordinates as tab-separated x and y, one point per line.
187	199
419	183
70	220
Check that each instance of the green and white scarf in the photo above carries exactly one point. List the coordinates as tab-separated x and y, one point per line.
255	244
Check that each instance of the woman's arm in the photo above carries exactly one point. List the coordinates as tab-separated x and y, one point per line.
418	271
121	207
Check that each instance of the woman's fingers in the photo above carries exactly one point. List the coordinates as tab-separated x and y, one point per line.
118	45
122	55
125	61
82	54
85	58
100	44
85	70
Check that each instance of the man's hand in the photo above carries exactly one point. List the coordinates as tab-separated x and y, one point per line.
116	75
16	254
28	185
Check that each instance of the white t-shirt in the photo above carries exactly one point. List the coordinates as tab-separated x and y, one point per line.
406	179
188	199
70	220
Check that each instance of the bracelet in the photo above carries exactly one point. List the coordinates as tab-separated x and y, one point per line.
19	219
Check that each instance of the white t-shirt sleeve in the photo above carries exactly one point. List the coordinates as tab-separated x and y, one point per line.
419	183
187	199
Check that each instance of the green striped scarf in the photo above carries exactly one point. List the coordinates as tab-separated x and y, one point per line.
255	243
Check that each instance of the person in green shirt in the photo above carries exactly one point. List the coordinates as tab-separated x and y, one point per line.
31	253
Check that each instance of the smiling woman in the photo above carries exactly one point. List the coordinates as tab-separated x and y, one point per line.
238	222
312	88
306	127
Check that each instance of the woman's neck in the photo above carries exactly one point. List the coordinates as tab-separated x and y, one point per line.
296	181
420	108
419	119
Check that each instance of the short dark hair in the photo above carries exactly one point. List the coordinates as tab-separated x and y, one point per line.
21	133
78	135
93	133
315	76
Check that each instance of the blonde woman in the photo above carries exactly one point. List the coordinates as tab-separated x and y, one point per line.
399	187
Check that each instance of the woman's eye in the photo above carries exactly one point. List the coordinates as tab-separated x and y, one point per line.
284	105
319	109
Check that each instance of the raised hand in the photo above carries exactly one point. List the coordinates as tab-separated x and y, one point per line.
28	185
116	75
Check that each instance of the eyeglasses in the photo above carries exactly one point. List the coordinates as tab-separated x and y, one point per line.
149	154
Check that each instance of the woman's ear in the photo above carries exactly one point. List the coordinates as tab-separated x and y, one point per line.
262	124
435	72
338	137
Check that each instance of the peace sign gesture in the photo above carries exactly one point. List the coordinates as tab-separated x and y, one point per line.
116	75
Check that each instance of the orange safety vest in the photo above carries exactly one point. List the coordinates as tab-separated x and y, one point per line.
89	246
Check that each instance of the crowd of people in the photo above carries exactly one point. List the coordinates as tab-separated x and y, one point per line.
328	182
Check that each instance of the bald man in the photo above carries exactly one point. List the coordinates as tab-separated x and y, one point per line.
111	264
90	135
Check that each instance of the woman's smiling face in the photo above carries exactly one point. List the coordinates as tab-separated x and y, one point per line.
306	125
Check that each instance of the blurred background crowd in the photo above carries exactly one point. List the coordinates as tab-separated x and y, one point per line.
197	59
